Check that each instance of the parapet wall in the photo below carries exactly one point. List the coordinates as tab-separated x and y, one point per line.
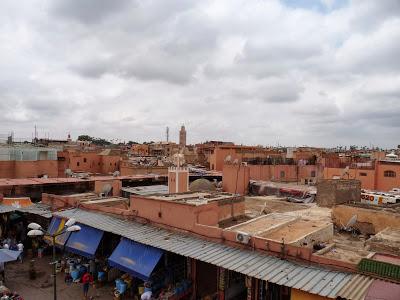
369	220
332	192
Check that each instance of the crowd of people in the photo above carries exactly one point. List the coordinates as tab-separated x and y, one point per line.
10	244
10	296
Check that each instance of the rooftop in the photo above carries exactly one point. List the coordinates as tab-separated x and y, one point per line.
194	198
40	181
146	190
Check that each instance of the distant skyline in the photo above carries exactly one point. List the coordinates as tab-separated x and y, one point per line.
293	72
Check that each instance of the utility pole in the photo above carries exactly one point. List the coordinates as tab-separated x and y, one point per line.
167	133
35	139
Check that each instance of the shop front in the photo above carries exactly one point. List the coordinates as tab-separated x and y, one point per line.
206	281
232	285
148	269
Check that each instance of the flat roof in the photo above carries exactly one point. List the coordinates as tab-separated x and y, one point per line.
40	181
263	223
295	230
194	198
147	189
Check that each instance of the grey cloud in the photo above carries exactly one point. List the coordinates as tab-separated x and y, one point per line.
87	11
298	76
373	53
369	14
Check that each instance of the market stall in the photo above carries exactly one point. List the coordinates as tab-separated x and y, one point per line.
148	269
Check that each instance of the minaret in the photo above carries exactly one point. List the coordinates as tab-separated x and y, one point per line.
182	137
178	176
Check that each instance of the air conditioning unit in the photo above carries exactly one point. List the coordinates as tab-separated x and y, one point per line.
244	164
242	237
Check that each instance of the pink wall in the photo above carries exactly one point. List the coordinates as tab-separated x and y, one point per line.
387	183
184	216
28	169
116	186
367	181
243	174
370	179
236	179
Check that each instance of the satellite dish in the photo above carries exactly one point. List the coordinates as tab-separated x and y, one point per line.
345	172
116	173
68	172
352	222
236	162
228	159
106	189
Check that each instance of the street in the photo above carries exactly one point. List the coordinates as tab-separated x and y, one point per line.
17	279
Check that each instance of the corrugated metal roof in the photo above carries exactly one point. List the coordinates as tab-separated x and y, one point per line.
36	209
6	209
314	280
356	288
147	190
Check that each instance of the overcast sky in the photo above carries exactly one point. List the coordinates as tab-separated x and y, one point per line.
293	72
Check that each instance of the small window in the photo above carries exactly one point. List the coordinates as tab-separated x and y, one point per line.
389	174
312	173
363	174
84	160
115	164
110	164
77	164
282	174
98	164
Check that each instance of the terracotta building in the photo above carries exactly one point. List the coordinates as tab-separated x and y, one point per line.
104	162
374	174
28	162
239	153
139	149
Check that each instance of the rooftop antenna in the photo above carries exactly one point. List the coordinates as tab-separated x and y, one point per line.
35	139
167	133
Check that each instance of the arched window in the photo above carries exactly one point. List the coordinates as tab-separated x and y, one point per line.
312	173
389	173
282	174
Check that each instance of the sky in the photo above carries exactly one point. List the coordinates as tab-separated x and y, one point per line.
259	72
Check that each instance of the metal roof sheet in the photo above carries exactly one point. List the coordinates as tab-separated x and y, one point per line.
314	280
36	209
356	288
6	209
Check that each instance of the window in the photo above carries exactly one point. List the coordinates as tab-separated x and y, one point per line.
84	160
312	173
363	174
389	173
77	164
282	174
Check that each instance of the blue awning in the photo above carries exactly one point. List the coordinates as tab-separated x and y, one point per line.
134	258
7	255
85	241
